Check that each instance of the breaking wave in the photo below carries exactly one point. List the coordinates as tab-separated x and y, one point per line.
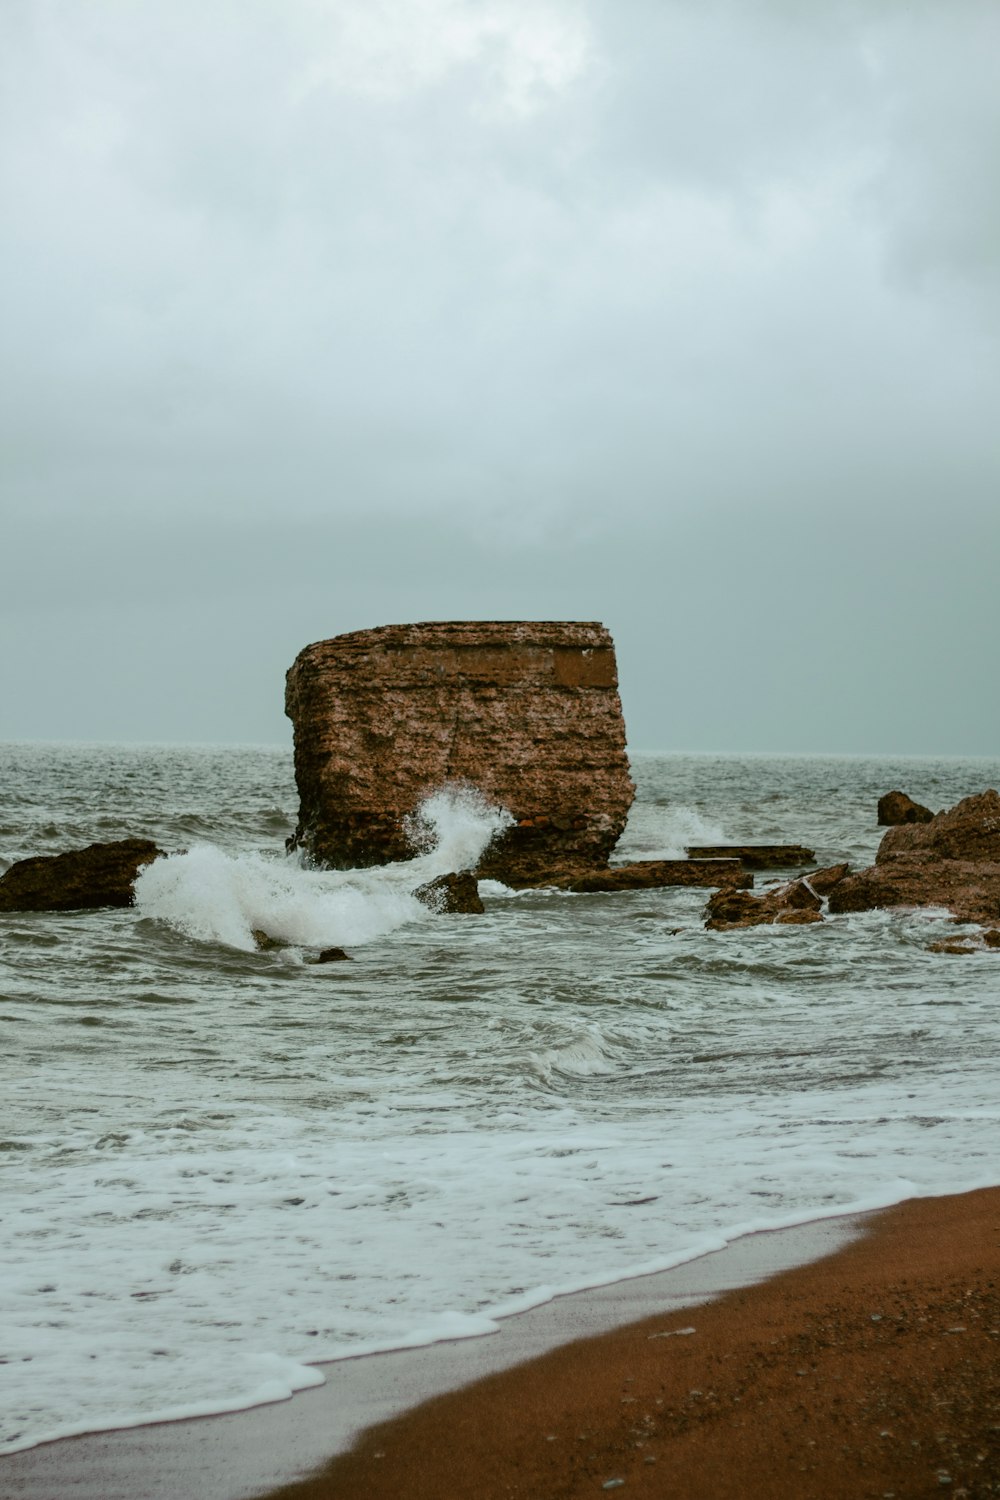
664	832
216	897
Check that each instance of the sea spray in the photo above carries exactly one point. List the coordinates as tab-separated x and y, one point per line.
453	828
664	832
217	897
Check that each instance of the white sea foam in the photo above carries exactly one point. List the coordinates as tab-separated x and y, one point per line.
168	1286
453	827
659	832
584	1055
214	896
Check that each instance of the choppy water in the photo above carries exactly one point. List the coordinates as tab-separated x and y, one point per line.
219	1166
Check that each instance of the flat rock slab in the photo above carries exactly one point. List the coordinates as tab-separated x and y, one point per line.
99	875
756	856
649	874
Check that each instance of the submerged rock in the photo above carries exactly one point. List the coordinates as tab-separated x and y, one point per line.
526	711
952	861
953	945
896	808
99	875
332	956
449	894
266	943
973	942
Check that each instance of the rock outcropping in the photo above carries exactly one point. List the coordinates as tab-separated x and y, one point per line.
952	861
793	903
528	712
100	875
896	807
451	895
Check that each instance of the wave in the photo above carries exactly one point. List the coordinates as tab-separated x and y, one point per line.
664	832
218	897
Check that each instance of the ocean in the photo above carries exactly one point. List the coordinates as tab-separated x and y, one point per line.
222	1167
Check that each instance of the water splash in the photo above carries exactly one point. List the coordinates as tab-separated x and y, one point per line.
664	832
217	897
454	826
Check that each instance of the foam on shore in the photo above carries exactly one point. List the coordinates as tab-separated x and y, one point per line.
236	1455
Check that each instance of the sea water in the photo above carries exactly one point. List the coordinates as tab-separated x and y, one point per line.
222	1166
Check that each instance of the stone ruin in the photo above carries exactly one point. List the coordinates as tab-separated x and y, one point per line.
526	711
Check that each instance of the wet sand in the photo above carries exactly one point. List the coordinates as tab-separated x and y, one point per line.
249	1453
873	1373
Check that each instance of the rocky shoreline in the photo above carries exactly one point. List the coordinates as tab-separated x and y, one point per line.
950	860
526	717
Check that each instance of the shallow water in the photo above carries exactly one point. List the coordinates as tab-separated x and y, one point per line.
220	1166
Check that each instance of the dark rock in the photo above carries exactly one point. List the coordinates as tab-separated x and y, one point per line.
968	831
449	894
266	943
795	895
952	861
727	909
332	956
896	807
100	875
973	943
823	881
794	903
528	712
756	856
651	874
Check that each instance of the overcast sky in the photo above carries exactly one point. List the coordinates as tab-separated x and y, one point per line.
683	315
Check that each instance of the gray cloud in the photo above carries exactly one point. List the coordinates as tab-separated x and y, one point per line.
323	314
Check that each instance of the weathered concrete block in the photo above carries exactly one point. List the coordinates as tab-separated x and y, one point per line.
527	711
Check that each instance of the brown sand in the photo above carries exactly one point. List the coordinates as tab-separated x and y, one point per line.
875	1372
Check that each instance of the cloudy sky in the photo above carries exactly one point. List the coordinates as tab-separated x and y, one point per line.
683	315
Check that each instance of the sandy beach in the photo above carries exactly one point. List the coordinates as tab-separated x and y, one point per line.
874	1372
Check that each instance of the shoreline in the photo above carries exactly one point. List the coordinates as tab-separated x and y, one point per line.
847	1356
251	1452
874	1372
